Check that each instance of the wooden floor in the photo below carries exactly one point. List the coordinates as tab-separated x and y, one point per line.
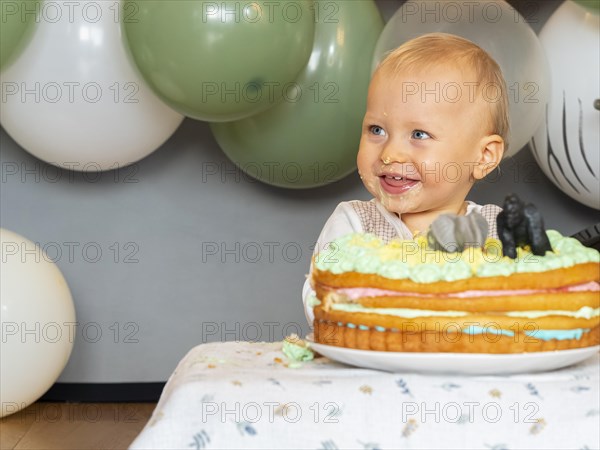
78	426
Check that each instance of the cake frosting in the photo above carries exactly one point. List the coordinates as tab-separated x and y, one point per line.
376	295
366	253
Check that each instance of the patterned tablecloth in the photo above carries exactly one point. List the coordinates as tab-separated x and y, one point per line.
244	395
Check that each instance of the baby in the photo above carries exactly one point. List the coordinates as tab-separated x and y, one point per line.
436	122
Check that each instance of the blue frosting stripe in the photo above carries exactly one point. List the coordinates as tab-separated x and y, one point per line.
473	329
546	335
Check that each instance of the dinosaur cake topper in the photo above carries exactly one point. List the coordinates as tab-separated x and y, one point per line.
452	233
521	224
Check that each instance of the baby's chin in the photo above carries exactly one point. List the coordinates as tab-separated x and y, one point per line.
404	204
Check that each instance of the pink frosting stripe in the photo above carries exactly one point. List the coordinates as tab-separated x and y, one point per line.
354	293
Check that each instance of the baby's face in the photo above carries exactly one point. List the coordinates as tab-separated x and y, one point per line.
421	138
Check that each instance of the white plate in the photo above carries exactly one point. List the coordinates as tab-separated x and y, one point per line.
455	363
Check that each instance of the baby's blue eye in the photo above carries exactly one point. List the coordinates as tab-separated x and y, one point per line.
420	134
377	130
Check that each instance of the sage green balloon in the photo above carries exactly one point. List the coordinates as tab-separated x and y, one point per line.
17	23
592	5
219	60
312	137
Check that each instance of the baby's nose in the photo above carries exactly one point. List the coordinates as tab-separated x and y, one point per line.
394	153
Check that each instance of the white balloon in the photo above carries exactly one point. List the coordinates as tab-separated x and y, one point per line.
567	145
74	99
500	30
38	322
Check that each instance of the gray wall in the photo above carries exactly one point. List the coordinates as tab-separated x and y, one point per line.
187	270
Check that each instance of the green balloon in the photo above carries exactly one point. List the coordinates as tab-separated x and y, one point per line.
312	137
17	22
219	60
592	5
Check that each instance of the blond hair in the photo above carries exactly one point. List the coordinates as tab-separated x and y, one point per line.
433	49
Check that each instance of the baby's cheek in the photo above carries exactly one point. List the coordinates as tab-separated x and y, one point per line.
372	184
363	163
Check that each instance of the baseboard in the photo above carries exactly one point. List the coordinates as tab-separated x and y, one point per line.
103	392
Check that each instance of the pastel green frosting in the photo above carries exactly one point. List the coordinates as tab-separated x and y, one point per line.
313	301
413	259
297	354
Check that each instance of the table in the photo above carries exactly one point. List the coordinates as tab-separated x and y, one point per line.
245	395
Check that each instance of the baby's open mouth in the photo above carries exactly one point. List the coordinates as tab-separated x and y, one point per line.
397	184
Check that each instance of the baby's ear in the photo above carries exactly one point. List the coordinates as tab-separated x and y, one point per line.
490	155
